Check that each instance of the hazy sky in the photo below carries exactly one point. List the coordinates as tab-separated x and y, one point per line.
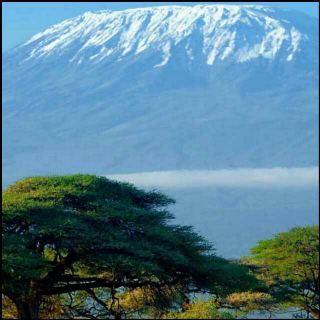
22	20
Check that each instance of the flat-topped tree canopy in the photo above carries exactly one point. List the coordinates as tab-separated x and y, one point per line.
63	234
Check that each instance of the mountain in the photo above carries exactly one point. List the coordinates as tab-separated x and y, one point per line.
200	33
164	88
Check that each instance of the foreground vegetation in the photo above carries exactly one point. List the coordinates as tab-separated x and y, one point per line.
87	247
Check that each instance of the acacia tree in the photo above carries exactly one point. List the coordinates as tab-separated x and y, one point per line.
289	264
67	236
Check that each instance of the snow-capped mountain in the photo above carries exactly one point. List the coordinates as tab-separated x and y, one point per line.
202	33
185	87
166	88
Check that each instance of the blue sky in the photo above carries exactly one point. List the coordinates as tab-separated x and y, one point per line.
22	20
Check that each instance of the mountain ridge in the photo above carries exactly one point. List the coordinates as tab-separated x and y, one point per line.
133	31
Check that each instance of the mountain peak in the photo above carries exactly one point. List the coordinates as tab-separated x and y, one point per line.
207	33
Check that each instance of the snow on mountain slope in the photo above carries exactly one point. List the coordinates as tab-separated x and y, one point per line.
238	32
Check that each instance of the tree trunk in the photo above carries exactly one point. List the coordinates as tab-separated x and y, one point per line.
28	309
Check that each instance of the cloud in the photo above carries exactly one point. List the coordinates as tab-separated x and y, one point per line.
235	178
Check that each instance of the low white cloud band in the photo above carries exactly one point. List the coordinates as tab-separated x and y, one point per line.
244	177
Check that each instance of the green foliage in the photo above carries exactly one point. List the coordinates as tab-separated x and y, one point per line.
289	263
201	310
146	301
66	234
9	311
245	302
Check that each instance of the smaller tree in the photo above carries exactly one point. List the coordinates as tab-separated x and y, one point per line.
289	264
